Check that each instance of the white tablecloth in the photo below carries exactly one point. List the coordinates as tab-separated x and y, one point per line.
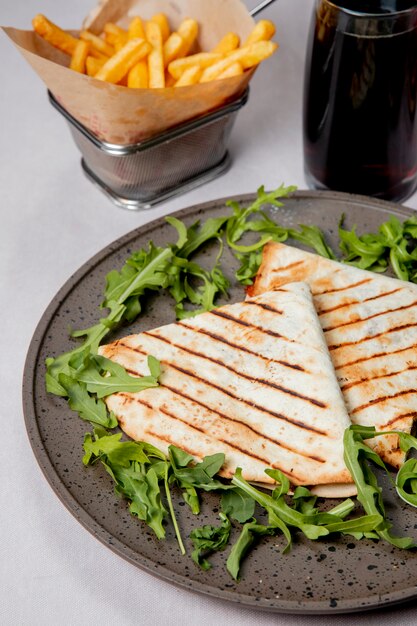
52	220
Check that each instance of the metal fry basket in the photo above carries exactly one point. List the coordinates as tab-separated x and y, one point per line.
139	175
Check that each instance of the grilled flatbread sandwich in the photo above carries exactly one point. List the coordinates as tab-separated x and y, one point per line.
370	325
253	380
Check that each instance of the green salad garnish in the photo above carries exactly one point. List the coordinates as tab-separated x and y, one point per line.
144	475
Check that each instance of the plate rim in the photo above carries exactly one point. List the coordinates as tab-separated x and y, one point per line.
311	607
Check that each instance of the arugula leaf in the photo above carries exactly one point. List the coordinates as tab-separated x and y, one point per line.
393	245
119	452
88	408
143	270
209	285
343	508
180	459
115	378
406	482
251	532
313	237
199	475
209	539
313	524
356	455
305	501
180	228
93	336
282	481
237	504
198	235
142	489
363	252
239	223
249	265
130	464
277	509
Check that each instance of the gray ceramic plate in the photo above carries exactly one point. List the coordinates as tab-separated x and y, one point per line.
316	577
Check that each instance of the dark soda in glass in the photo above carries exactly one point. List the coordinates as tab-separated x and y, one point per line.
360	118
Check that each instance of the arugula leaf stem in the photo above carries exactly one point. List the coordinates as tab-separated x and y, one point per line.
171	510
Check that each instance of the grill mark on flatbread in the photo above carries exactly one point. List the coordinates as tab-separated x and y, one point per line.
370	317
287	267
292	366
404	392
375	356
222	339
237	320
352	302
203	331
327	291
230	394
236	346
171	442
264	306
229	418
412	414
247	402
370	337
224	416
169	414
262	381
234	446
376	377
269	464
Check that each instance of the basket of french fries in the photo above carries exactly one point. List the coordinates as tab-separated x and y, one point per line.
150	89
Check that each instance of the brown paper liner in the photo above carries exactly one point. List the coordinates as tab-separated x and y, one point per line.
122	115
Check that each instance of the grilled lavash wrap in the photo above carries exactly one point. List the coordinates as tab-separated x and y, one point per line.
370	326
253	380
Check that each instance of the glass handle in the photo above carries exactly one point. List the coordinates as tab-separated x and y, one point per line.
260	7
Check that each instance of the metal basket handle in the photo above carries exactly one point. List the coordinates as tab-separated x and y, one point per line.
260	7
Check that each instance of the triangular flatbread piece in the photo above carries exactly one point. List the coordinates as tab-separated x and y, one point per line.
370	325
253	380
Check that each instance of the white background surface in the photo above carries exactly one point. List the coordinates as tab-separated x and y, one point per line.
53	220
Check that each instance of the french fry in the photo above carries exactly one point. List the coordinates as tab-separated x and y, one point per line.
214	71
122	62
138	76
190	76
119	43
93	65
79	56
247	56
136	29
172	48
155	58
228	43
115	36
251	55
233	70
53	34
97	43
202	59
148	55
188	29
162	21
98	55
263	31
